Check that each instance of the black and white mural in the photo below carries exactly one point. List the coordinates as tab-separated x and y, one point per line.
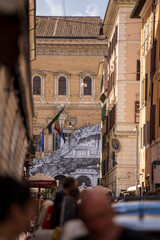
78	157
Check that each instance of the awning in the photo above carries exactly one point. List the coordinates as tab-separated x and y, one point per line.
42	180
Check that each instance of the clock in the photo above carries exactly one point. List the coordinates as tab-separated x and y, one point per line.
115	144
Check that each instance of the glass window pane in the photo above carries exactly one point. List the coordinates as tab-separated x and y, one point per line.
36	85
88	88
62	86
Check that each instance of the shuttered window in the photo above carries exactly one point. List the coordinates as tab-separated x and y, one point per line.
146	87
111	119
116	34
141	137
152	123
103	168
137	111
113	43
148	132
115	74
103	112
153	59
138	70
103	141
144	135
142	92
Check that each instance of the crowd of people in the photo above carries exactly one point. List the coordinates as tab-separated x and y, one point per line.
76	215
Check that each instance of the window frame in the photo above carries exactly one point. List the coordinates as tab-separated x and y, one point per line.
39	87
87	90
61	88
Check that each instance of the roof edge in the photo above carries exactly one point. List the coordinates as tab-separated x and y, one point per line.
68	16
57	37
137	9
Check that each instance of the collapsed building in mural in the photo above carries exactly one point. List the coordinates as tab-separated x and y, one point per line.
78	157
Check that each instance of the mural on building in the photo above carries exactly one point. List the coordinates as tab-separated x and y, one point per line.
78	157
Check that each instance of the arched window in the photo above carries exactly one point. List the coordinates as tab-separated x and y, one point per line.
37	85
87	86
62	86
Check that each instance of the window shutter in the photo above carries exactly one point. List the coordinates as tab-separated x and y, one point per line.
152	123
103	112
116	34
153	59
145	134
146	86
107	168
137	111
107	125
148	132
103	168
138	70
155	55
115	73
141	137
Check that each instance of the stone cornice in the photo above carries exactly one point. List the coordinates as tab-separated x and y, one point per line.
112	12
91	106
60	41
72	50
84	73
62	72
145	8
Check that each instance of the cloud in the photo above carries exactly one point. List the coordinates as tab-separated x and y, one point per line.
92	10
54	8
78	14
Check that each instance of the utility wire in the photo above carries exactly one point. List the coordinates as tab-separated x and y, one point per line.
61	18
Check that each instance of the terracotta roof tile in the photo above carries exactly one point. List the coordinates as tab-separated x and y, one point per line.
68	27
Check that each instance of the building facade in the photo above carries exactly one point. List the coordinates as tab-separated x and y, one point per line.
16	108
120	97
149	12
68	50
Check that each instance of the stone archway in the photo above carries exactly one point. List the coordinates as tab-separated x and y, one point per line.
84	181
60	178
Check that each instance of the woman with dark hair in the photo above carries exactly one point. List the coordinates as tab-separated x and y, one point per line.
15	207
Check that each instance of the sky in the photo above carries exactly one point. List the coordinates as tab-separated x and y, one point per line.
71	7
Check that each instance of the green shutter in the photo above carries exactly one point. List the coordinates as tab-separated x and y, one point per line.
103	112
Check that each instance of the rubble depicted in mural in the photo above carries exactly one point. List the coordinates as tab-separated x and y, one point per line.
78	157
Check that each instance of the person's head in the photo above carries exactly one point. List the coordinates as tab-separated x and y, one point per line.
69	184
96	213
15	204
